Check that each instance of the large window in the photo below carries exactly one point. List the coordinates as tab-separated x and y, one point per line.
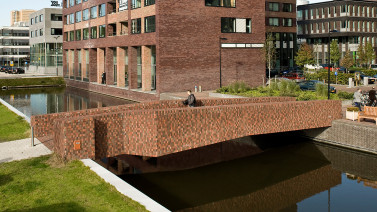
136	26
93	32
123	5
78	34
149	2
85	15
85	34
78	16
235	25
102	31
78	1
71	3
287	22
220	3
102	10
56	17
71	35
71	18
273	6
150	24
288	7
273	21
41	18
93	12
136	4
56	31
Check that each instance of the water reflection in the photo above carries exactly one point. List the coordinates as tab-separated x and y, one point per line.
245	176
54	100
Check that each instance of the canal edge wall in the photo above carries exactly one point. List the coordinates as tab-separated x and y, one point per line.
354	135
13	109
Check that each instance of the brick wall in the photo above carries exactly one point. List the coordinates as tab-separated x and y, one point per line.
165	127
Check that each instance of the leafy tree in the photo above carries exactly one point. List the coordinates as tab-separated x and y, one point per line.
361	57
304	55
334	52
269	53
370	55
347	61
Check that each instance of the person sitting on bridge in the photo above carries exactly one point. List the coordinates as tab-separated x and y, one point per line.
191	100
372	98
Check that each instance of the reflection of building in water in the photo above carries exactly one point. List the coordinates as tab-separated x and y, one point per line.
368	183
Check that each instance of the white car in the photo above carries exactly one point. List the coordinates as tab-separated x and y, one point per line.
373	66
313	66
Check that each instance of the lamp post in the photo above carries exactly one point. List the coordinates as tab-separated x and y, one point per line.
328	71
56	54
220	39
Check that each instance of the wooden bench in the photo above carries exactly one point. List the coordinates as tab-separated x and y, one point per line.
368	113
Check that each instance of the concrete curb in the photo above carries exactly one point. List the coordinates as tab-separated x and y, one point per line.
13	109
123	187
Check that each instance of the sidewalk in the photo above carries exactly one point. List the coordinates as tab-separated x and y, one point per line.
21	149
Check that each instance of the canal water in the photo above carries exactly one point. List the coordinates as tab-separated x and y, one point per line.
55	100
259	173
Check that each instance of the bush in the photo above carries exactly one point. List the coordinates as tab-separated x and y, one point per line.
321	89
235	88
352	109
345	95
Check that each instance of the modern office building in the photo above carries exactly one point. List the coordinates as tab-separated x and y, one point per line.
281	22
46	42
14	45
20	16
148	47
350	22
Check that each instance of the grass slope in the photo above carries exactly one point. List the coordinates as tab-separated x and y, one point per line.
46	184
32	81
12	126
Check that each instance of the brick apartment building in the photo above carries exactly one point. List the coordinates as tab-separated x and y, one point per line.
281	22
354	21
148	47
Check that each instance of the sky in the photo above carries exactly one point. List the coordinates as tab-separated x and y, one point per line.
9	5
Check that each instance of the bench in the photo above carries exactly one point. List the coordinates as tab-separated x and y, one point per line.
368	113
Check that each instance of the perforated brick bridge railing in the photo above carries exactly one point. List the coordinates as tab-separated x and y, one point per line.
164	127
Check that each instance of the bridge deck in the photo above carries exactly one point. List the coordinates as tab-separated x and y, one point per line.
160	128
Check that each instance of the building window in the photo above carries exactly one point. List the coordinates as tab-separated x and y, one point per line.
41	18
71	35
71	3
85	34
273	6
150	24
78	17
56	31
288	8
136	26
149	2
36	19
123	5
235	25
78	34
93	32
220	3
40	32
31	34
93	12
85	15
287	22
102	10
65	36
78	1
31	21
56	17
102	31
273	21
71	18
136	4
36	33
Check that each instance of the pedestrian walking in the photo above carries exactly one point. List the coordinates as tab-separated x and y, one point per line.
104	78
357	98
191	100
372	98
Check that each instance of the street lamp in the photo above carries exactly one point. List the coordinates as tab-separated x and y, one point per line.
328	71
56	53
220	39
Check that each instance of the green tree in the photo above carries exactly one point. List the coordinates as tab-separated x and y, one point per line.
269	53
347	61
304	55
361	57
334	52
370	55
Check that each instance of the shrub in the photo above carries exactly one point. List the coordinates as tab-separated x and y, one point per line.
321	89
235	87
345	95
352	109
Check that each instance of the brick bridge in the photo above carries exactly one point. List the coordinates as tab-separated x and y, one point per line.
160	128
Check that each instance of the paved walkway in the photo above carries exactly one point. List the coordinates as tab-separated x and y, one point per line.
21	149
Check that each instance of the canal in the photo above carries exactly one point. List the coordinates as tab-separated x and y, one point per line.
40	101
259	173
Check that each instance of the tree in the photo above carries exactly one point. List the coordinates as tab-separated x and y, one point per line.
334	52
361	57
304	55
347	61
269	53
369	53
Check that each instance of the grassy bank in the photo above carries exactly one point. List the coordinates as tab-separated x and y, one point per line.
47	184
45	81
12	126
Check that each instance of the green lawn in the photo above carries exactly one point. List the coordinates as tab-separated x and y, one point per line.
45	184
12	126
32	81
